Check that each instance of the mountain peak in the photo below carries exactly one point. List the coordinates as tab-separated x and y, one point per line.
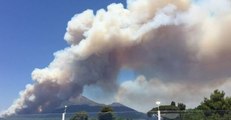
82	103
116	104
80	100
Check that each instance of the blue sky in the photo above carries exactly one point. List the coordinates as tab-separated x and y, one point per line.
30	32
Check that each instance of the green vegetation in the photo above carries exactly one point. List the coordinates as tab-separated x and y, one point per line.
80	116
106	113
172	108
216	107
181	106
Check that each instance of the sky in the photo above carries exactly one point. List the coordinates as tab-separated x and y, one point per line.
30	32
135	52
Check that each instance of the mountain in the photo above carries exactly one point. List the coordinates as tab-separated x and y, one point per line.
116	104
78	105
118	107
92	108
81	100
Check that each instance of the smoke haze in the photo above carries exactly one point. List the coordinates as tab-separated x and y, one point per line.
179	49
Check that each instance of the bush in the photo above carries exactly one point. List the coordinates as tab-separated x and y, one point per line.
106	113
80	116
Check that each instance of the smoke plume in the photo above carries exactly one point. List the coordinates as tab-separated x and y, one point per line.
176	46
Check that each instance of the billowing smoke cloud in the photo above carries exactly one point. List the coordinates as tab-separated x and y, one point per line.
155	89
173	44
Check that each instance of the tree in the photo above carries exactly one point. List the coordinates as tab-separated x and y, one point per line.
106	113
181	106
106	109
215	106
80	116
166	109
173	103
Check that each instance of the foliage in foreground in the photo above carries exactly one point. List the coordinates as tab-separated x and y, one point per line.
106	113
216	107
80	116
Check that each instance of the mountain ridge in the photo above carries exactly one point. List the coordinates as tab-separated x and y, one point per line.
83	104
80	100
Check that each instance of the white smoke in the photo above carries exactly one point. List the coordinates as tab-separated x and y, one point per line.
172	43
141	93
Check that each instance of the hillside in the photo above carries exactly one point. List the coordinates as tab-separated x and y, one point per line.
93	108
